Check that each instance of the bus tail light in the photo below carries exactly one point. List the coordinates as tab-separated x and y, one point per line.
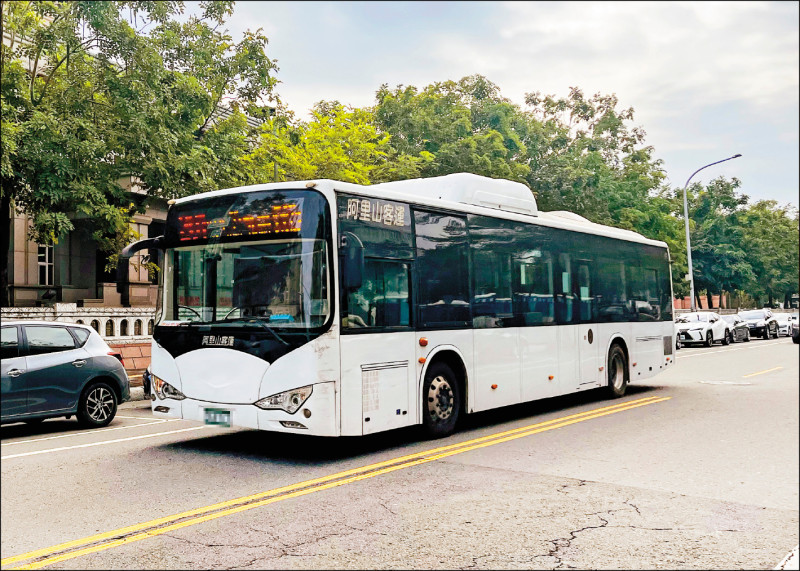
289	401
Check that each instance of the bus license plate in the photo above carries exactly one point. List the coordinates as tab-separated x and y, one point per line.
218	416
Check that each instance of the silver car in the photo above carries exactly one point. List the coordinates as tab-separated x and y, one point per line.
54	369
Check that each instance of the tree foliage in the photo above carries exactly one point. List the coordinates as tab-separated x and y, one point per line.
94	92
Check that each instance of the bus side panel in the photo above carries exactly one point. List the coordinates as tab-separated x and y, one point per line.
497	367
377	380
539	349
649	349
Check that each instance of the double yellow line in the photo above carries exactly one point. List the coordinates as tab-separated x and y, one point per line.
100	542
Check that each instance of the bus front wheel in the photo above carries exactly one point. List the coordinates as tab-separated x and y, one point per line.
617	372
441	401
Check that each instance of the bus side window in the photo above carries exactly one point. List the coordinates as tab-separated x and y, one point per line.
383	298
533	288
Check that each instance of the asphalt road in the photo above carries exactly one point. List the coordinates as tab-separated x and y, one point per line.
696	468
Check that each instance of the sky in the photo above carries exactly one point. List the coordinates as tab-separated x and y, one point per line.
706	80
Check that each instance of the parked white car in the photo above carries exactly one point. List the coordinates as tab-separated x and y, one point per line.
785	323
704	327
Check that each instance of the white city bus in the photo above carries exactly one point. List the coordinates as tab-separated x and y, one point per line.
335	309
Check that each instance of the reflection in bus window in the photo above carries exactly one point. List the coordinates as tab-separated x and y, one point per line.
382	300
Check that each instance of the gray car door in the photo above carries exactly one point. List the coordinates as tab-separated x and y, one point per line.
56	368
13	392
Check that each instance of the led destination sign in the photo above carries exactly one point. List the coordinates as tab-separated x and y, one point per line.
269	220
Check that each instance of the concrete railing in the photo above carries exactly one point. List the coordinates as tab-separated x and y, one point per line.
117	325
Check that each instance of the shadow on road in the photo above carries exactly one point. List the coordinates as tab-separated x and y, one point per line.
298	449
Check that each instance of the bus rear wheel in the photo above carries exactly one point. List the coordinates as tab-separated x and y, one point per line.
441	401
617	372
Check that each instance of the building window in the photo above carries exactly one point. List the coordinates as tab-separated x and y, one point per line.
137	327
123	328
150	327
96	325
45	263
109	328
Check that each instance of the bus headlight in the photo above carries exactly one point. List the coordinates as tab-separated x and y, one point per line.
289	401
164	390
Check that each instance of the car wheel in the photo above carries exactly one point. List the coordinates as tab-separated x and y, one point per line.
441	401
617	372
97	406
726	339
678	343
766	333
709	339
747	336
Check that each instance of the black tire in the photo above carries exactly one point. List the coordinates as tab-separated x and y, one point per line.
766	332
795	339
618	374
726	339
97	406
441	401
747	336
678	343
709	339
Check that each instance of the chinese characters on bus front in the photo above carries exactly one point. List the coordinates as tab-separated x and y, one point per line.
366	210
274	219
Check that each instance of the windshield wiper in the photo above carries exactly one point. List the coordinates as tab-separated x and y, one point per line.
258	320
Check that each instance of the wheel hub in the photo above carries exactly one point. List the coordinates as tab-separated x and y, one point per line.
440	399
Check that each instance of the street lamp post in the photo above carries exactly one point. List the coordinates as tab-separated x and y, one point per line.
686	223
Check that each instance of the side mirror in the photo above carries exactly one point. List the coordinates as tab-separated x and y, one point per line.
123	280
353	262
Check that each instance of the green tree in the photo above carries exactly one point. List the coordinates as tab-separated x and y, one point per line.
338	143
449	126
719	253
93	92
771	234
584	157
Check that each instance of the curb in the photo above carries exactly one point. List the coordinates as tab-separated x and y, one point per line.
137	394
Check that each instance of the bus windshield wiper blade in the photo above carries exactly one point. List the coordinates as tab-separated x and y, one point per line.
258	320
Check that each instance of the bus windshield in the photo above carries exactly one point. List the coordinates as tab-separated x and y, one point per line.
257	259
283	284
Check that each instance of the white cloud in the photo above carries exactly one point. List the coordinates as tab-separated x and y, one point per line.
707	79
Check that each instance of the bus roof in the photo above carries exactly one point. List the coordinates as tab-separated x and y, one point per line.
464	192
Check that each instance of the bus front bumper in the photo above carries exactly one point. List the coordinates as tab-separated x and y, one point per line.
315	417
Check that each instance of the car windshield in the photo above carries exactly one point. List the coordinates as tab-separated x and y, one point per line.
729	318
754	314
691	317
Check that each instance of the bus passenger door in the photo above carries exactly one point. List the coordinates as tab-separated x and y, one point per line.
568	328
588	343
377	351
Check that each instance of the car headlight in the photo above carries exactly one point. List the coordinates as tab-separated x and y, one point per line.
164	390
289	401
